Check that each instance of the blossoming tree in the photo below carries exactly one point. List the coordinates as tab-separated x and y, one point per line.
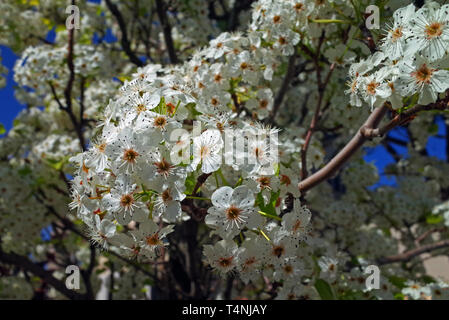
213	149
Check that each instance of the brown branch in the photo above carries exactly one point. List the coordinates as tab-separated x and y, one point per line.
368	131
404	117
68	89
337	162
188	206
408	255
86	274
428	233
82	107
124	40
200	181
166	29
25	264
285	84
321	88
70	226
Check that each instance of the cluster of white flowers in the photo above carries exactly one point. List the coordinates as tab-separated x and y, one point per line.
133	194
413	60
128	175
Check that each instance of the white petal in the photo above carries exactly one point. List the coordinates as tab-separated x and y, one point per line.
222	197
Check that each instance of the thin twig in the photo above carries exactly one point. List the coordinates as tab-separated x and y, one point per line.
408	255
166	29
124	40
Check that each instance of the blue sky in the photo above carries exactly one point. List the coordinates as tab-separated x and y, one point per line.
10	107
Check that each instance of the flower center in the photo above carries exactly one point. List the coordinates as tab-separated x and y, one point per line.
225	262
396	34
217	77
166	196
282	40
263	104
153	240
141	108
423	74
233	213
214	101
130	155
127	200
101	147
220	126
278	251
434	30
371	87
160	122
264	182
288	269
164	167
276	19
244	66
299	6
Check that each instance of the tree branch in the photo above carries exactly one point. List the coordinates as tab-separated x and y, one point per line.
408	255
284	87
24	263
366	132
337	162
166	29
124	40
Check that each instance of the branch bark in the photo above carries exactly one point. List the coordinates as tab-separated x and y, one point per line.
24	263
343	156
408	255
366	132
166	29
124	40
285	84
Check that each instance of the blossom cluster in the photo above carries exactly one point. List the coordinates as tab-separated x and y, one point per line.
412	62
128	181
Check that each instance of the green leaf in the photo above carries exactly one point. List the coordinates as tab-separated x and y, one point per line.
324	290
24	171
428	279
434	219
399	296
270	207
190	183
57	164
161	107
2	129
398	281
192	109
